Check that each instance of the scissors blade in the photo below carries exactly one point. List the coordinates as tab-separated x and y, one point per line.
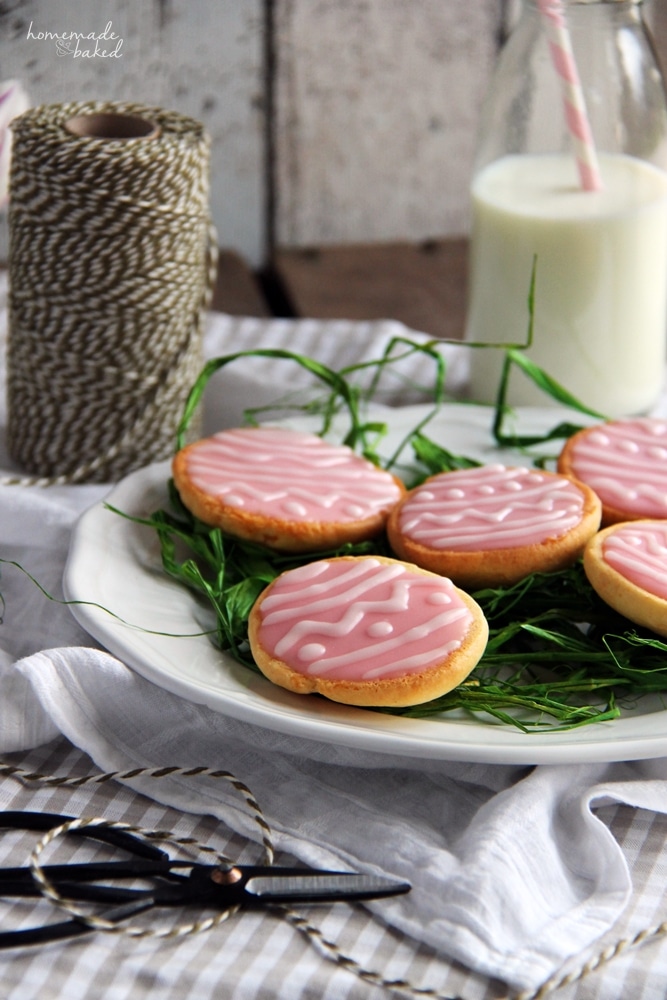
302	886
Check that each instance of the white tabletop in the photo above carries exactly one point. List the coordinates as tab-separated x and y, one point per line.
263	955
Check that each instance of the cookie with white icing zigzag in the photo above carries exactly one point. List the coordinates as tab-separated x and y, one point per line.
286	489
366	630
494	524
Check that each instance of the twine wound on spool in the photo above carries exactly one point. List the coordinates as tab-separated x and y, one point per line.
112	264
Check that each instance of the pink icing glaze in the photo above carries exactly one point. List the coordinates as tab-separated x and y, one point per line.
490	507
290	475
638	551
362	620
625	462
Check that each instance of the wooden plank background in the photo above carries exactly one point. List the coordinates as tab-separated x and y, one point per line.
375	116
333	121
204	58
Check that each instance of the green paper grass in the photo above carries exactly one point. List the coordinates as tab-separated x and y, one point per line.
557	657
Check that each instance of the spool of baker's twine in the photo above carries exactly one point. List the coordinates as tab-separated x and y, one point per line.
112	263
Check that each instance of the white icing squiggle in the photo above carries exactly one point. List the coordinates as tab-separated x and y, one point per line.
288	474
362	619
638	551
491	507
625	462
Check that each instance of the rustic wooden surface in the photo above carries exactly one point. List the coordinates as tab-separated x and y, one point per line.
332	121
238	291
657	21
421	284
376	110
204	58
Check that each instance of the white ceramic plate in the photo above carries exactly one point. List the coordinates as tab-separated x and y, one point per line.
115	564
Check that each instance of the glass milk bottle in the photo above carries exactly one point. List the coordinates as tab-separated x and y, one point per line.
598	239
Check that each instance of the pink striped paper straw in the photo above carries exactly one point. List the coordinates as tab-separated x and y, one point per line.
573	98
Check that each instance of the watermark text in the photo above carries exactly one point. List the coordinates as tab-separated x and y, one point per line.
81	45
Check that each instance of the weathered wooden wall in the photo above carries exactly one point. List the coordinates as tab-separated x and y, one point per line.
374	102
202	57
375	112
332	121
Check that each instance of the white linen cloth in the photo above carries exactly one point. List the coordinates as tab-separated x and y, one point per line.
512	871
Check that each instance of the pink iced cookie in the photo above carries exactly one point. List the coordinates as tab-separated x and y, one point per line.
366	630
282	488
625	462
626	565
494	524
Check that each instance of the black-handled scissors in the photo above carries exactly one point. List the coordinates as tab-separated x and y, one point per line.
174	882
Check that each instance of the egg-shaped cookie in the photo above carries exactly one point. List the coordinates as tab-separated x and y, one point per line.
366	630
625	462
493	525
626	564
288	490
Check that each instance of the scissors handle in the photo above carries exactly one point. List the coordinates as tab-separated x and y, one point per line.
149	860
92	871
46	933
43	822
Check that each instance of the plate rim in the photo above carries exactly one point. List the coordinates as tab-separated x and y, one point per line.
273	708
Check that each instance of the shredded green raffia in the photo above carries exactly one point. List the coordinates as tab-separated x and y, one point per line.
557	656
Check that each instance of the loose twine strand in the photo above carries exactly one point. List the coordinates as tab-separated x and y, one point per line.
112	264
328	949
